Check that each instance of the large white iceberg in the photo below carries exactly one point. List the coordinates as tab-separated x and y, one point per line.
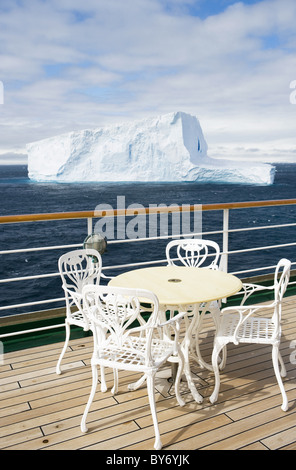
167	148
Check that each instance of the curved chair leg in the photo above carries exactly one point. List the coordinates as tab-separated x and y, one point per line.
137	384
115	386
151	395
68	331
224	358
215	312
91	397
215	360
101	335
197	397
216	315
283	367
178	378
200	360
198	329
276	359
104	387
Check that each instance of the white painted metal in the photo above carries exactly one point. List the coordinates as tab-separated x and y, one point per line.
142	348
196	253
40	248
38	302
224	260
89	226
77	269
243	325
193	253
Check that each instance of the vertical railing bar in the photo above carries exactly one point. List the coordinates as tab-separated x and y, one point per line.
89	225
224	261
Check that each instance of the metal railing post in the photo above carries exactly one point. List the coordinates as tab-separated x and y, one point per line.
89	226
90	215
224	260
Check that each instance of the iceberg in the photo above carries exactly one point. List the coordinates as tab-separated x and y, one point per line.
168	148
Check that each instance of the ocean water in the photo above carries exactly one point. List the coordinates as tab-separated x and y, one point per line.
18	195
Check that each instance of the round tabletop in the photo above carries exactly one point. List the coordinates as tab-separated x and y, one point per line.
175	285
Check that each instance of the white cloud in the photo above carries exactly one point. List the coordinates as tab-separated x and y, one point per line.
69	65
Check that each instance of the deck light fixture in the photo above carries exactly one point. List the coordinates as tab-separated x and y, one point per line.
96	241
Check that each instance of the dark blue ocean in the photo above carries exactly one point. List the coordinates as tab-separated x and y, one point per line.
18	195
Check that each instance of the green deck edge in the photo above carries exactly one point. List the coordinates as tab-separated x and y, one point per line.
57	335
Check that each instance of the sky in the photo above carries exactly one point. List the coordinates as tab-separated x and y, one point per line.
68	65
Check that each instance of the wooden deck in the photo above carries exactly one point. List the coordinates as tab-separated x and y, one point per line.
40	410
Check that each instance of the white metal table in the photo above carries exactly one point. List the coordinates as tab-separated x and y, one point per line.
183	288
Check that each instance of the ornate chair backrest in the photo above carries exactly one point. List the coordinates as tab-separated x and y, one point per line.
78	268
281	280
118	311
193	252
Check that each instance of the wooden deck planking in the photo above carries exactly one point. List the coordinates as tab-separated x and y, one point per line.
40	410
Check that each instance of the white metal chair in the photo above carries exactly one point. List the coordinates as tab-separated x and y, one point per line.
193	252
128	345
77	268
196	253
242	325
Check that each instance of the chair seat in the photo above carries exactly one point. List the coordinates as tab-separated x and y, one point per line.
132	354
253	330
241	324
77	316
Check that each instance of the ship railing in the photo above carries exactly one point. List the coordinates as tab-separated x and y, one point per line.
90	216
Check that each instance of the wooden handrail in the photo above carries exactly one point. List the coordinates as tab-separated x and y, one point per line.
249	204
6	219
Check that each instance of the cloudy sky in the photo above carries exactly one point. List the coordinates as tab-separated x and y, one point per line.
71	64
